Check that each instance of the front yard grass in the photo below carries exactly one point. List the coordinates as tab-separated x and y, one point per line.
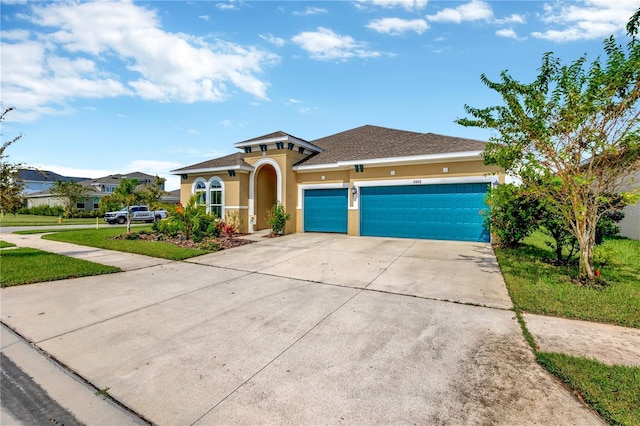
5	244
539	287
613	391
27	265
101	238
36	220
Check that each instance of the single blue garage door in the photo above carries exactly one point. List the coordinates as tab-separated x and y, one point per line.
325	210
439	212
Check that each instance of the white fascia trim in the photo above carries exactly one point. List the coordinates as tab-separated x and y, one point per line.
388	161
303	187
212	170
492	179
237	207
267	141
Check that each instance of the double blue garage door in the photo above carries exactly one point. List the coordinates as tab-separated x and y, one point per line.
440	212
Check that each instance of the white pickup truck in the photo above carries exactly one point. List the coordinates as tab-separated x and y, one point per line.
138	213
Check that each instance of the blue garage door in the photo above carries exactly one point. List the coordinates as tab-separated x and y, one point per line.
325	210
439	212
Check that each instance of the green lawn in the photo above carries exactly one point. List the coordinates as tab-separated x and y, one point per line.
100	238
613	391
536	286
5	244
27	265
34	220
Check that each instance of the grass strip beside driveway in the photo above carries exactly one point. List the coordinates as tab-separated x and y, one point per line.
613	391
28	265
101	238
5	244
539	287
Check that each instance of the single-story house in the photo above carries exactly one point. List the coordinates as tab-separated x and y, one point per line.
370	181
98	188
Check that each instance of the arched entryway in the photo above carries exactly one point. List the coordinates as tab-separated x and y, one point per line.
266	194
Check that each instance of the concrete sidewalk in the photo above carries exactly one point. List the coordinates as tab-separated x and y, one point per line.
124	261
609	344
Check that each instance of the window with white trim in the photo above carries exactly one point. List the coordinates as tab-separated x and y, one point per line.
216	198
201	191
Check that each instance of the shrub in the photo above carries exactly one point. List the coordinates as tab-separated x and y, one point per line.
513	214
209	246
226	228
42	210
132	236
277	218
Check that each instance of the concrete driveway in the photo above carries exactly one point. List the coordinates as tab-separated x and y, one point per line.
304	329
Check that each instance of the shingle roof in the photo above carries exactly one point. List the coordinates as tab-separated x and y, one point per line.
115	178
45	176
236	159
373	142
277	134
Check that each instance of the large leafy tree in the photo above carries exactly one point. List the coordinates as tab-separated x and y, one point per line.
69	193
128	195
151	194
572	135
11	197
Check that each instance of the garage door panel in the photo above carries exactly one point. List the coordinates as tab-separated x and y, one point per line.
325	210
443	211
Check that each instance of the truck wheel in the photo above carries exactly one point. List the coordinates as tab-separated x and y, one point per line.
158	218
122	220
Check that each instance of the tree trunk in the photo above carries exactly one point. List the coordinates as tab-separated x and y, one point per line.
586	241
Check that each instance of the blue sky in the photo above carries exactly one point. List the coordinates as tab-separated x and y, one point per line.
101	87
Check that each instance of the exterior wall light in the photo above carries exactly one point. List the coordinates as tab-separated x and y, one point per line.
354	190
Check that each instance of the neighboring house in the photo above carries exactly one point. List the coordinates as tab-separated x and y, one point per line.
40	180
630	225
98	188
371	181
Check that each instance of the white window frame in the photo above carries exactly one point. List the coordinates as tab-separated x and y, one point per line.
210	205
208	185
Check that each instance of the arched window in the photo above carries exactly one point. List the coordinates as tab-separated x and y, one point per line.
200	190
216	198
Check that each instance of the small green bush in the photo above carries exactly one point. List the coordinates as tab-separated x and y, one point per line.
277	218
42	210
209	246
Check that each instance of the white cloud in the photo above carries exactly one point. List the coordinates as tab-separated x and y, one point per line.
226	6
232	124
204	17
587	20
304	110
511	19
67	58
397	26
472	11
14	35
277	41
310	11
325	44
293	101
406	4
507	32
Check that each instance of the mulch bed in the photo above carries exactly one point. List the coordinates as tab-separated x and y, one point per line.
225	242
